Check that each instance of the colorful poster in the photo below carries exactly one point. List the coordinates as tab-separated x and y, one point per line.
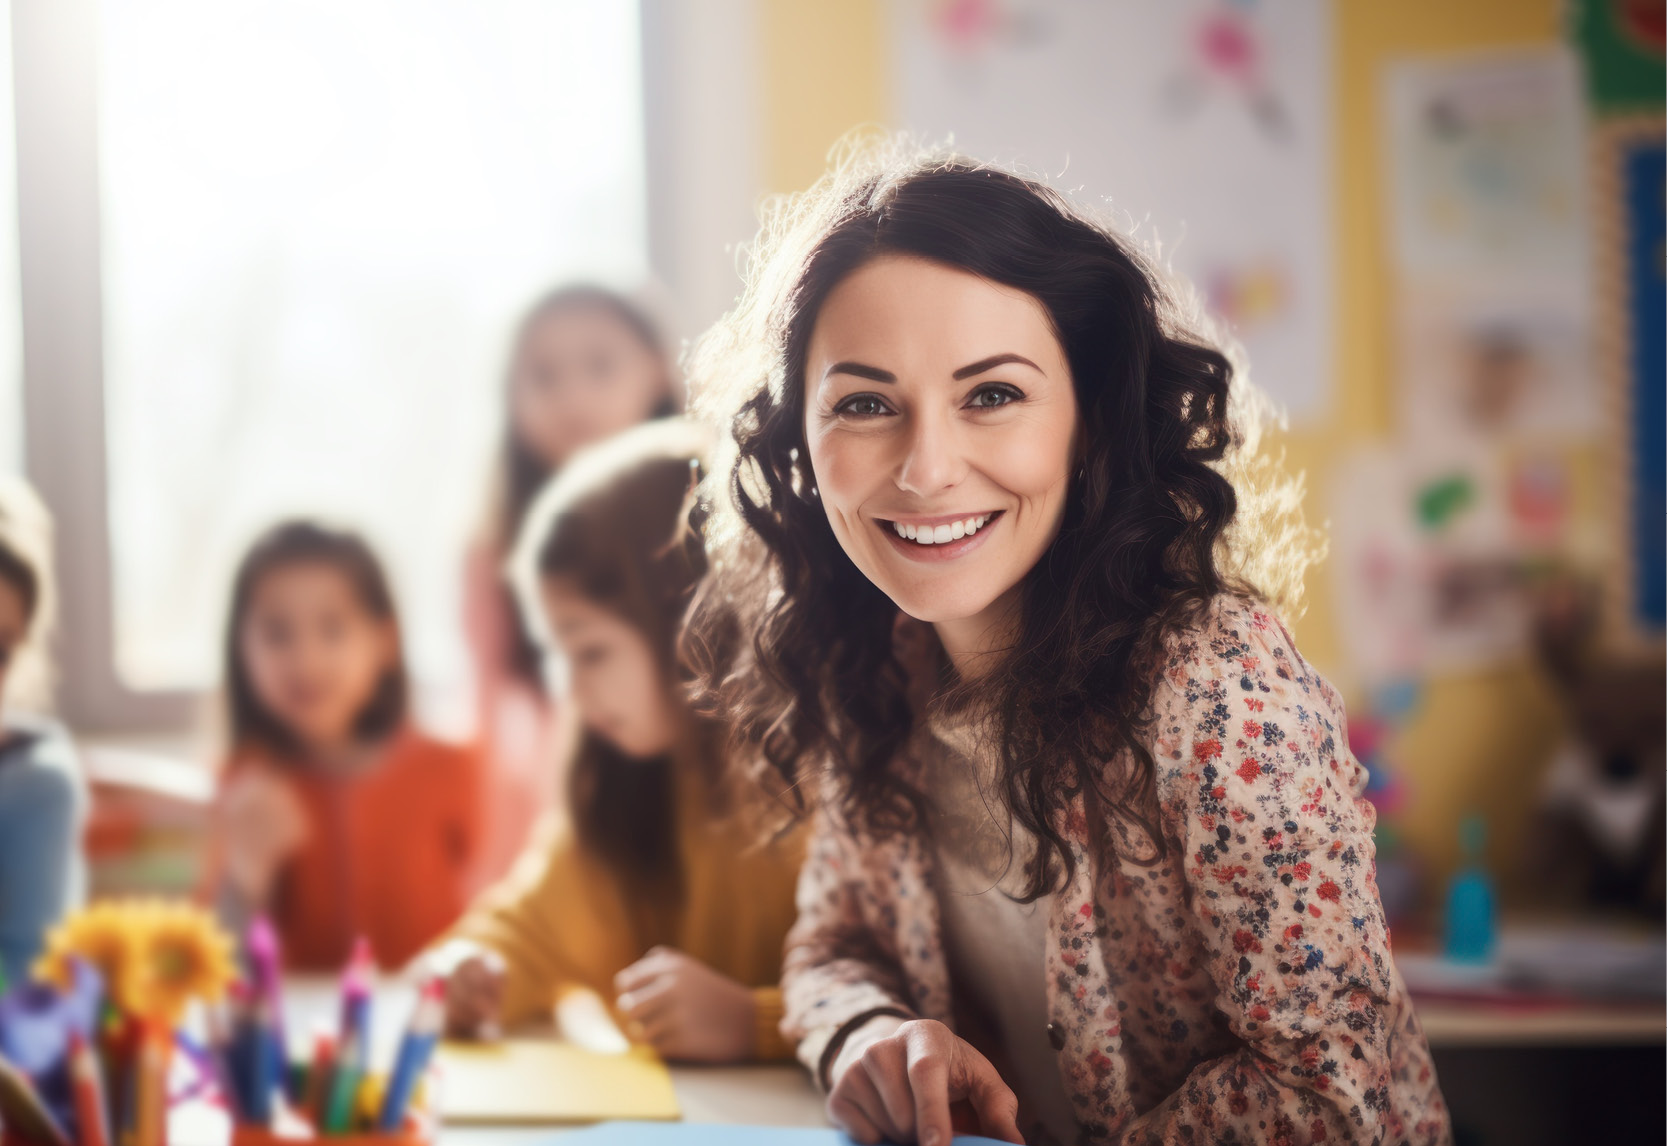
1440	539
1435	559
1202	125
1622	42
1486	161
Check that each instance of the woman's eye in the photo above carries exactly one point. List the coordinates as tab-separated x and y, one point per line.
990	397
862	406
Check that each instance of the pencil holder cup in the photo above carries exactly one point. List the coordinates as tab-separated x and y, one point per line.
420	1128
261	1136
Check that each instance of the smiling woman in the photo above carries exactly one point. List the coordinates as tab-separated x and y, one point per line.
1090	853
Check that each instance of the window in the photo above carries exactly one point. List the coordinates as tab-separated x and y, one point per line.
319	223
11	349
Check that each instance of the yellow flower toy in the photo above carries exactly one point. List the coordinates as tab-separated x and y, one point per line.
155	956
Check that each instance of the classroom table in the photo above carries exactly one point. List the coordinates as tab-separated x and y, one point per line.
774	1095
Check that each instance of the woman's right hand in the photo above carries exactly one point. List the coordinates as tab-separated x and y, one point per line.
895	1081
474	988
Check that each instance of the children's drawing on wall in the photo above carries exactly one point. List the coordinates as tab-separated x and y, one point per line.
1490	249
1227	51
1482	365
1208	120
1437	558
1487	163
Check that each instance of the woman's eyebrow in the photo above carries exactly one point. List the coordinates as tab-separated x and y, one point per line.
992	362
872	373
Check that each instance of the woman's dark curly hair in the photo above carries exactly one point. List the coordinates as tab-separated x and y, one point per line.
1141	550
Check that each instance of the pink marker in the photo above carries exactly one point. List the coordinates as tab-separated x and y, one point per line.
357	982
266	961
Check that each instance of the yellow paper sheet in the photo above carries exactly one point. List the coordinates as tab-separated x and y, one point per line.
535	1081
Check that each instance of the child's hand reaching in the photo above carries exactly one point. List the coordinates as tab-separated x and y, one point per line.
474	988
896	1081
262	824
686	1010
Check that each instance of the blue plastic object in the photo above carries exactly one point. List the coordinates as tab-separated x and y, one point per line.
1471	918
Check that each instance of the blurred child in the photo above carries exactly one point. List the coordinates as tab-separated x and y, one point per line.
586	363
649	890
334	815
42	796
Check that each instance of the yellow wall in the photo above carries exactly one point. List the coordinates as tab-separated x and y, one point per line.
1479	741
825	72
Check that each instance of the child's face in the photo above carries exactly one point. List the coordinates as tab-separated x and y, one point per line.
618	684
313	652
581	375
14	628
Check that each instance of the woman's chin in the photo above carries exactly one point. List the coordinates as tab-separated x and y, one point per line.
940	605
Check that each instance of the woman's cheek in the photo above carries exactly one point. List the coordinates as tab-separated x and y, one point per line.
1030	469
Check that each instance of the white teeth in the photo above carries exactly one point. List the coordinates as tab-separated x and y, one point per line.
942	534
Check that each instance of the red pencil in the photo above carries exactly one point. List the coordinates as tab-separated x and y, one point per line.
150	1120
91	1121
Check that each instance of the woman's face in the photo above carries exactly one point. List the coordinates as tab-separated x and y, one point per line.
617	682
314	654
940	417
581	374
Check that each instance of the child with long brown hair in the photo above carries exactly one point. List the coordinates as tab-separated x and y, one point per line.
334	815
585	363
649	890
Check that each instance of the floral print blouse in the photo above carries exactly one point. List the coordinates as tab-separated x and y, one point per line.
1235	986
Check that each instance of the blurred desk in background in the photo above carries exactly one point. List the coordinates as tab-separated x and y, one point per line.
1562	1039
1456	1024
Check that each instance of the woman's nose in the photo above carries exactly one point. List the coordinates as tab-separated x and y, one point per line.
933	459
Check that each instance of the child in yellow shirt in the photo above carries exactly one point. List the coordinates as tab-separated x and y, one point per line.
650	890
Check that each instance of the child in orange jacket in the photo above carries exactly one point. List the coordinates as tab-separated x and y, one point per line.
334	815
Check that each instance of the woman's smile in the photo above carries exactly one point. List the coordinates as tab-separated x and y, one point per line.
940	538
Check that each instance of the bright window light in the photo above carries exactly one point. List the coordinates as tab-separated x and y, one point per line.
11	340
320	223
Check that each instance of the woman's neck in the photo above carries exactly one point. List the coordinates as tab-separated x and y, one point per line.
976	644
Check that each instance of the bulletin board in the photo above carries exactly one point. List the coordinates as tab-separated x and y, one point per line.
1628	190
1202	125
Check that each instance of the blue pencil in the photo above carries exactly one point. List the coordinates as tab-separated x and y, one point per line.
415	1050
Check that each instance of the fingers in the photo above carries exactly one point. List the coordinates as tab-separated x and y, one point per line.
885	1066
846	1115
856	1106
928	1080
473	997
648	1001
659	961
996	1104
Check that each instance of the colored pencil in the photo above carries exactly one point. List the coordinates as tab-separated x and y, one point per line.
92	1120
415	1049
150	1121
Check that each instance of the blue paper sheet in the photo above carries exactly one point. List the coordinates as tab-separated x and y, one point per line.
694	1134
